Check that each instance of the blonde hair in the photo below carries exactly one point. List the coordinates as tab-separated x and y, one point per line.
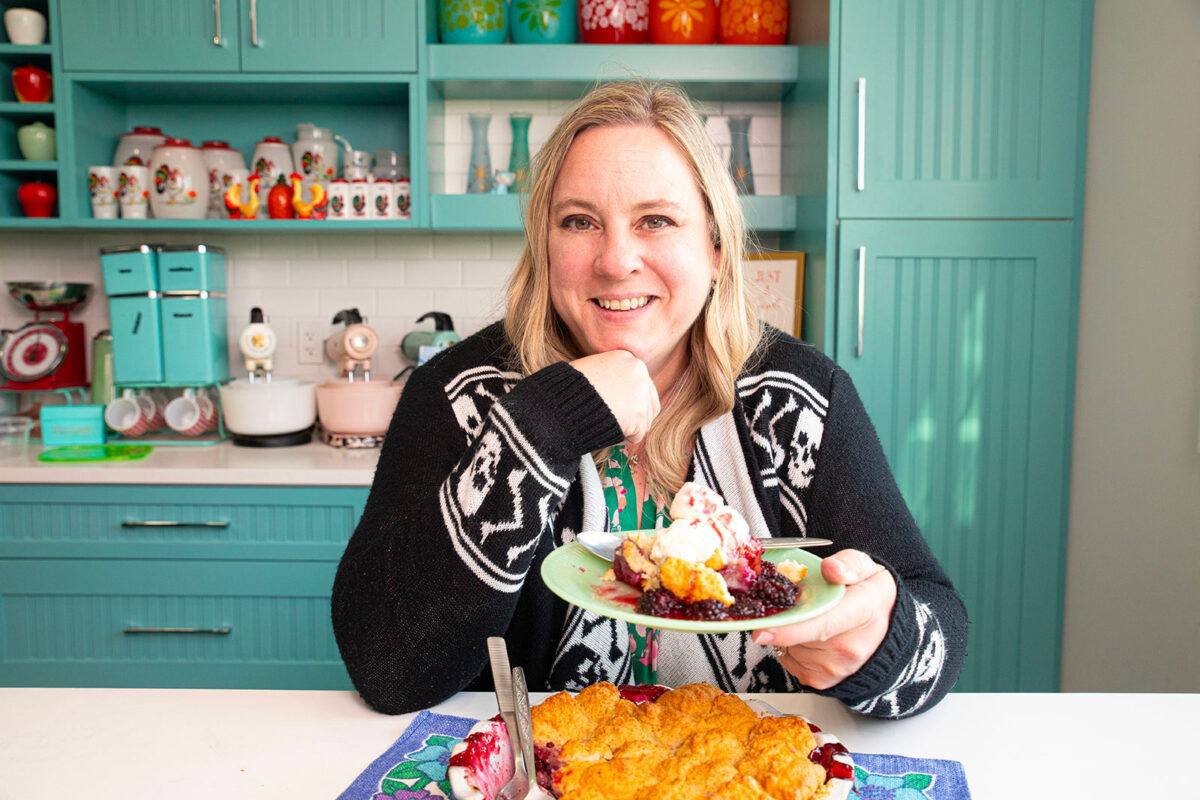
727	331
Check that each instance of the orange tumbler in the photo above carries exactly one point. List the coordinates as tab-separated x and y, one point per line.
753	21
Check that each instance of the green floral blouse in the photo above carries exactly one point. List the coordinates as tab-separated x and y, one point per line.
620	497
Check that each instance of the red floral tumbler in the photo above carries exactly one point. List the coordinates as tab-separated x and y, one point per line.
614	21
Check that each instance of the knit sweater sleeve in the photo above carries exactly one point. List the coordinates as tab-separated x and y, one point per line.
469	482
856	498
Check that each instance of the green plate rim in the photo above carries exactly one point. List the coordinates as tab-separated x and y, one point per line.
127	452
573	555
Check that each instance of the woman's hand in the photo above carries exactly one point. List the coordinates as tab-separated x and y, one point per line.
825	650
623	382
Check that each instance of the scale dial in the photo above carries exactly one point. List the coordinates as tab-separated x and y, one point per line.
32	352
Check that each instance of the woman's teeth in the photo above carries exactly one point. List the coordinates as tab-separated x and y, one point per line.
624	304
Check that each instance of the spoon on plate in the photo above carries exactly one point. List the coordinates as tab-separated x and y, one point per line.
603	543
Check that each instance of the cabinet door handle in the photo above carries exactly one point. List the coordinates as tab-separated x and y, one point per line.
862	296
209	631
217	40
172	523
862	134
254	24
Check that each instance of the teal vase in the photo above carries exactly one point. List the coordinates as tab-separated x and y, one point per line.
543	21
472	21
739	154
479	171
518	161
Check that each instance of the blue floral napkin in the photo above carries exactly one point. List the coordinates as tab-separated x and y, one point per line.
414	768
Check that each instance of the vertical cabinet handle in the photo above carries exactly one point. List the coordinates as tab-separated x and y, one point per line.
173	523
862	134
254	24
217	40
862	296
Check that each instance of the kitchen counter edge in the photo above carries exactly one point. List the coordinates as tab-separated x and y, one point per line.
312	464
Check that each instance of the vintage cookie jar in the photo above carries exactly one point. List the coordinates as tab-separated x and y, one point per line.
137	146
180	179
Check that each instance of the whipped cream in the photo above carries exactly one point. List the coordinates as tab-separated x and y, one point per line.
701	514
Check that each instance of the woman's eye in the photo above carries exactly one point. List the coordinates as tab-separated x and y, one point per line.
657	222
577	223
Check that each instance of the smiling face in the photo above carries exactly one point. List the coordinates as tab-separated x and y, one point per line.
631	260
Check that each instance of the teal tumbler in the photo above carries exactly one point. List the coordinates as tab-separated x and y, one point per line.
472	21
543	21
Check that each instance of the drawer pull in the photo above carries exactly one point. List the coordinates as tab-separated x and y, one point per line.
172	523
861	182
210	631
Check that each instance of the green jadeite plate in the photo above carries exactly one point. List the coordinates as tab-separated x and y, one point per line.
95	452
574	574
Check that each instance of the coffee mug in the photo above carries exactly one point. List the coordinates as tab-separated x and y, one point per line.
134	191
102	186
25	26
191	414
132	414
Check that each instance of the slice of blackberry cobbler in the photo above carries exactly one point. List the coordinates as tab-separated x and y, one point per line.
706	565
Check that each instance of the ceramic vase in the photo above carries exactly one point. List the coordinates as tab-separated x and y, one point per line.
518	161
472	21
739	154
614	21
543	21
683	21
479	171
753	22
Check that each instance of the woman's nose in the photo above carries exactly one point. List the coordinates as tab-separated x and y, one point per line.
619	255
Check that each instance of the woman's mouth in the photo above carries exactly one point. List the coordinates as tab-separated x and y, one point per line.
622	304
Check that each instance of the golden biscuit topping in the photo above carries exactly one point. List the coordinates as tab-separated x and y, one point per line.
693	742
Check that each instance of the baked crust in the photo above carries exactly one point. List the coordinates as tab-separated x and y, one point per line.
693	742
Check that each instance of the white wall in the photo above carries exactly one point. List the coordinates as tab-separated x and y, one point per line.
1133	568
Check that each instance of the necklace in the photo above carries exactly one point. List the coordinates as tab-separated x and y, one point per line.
633	457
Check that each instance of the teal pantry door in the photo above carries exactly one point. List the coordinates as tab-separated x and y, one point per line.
149	35
329	36
965	362
971	108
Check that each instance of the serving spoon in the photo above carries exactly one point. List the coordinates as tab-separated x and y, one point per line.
604	544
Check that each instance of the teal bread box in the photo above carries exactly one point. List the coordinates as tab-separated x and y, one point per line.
195	344
136	325
63	425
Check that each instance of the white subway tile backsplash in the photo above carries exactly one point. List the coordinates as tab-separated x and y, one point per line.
347	245
432	274
376	274
297	302
485	274
406	303
291	245
507	247
470	303
253	273
331	301
404	246
448	245
320	274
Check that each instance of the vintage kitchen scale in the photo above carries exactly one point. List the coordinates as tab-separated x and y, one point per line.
46	354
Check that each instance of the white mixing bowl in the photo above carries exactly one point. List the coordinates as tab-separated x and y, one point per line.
264	408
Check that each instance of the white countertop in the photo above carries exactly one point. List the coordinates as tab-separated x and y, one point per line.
312	464
205	743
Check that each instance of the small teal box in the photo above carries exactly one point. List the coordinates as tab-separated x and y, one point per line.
129	269
72	425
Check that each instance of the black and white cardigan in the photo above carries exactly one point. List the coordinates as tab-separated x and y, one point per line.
483	473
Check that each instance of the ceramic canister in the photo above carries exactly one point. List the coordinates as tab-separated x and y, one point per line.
339	198
383	200
403	199
315	152
137	146
271	159
360	198
221	161
180	179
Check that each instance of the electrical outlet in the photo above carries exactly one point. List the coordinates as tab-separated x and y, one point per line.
311	336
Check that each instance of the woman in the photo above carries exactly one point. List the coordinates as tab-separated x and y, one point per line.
629	361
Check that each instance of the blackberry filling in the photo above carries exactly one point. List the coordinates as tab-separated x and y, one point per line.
769	594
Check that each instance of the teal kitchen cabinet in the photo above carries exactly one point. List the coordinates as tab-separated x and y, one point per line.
282	36
224	586
960	337
961	108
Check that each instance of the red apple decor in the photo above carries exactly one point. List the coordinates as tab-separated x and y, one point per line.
37	198
32	85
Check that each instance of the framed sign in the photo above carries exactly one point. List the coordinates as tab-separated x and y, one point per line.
775	282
